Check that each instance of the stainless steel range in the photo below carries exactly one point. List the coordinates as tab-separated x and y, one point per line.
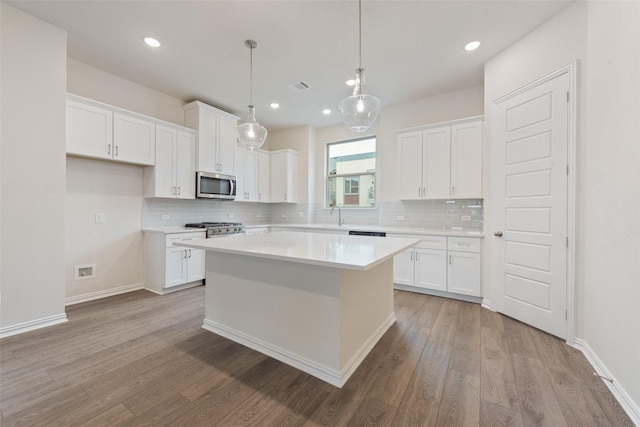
215	229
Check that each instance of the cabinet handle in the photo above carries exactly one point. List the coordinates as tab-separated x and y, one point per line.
416	256
449	259
108	148
259	196
189	253
178	191
453	190
116	153
285	196
185	254
411	254
173	190
424	191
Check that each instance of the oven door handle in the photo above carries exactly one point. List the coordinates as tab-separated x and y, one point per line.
233	187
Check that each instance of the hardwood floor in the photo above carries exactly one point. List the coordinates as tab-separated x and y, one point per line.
141	359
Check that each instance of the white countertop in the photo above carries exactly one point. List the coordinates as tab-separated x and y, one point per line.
326	250
174	230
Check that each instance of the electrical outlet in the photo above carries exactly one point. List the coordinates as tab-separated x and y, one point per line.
400	218
231	215
165	216
466	218
283	215
99	218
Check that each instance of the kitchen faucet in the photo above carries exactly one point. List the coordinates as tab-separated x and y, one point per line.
340	220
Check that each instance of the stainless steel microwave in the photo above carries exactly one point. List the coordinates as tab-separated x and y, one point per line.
215	186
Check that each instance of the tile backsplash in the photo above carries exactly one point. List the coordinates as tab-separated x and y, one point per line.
460	215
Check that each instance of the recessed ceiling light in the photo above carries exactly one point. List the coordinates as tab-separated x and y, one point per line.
152	42
472	45
326	111
351	82
275	105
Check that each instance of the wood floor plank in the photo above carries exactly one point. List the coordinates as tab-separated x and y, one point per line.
576	401
460	400
142	359
465	356
538	401
492	415
497	384
397	367
421	401
373	412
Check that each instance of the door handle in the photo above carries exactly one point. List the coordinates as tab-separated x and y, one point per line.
498	233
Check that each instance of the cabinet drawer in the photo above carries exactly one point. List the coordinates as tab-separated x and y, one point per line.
463	244
433	242
183	236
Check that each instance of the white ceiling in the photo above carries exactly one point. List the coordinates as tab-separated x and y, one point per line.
410	49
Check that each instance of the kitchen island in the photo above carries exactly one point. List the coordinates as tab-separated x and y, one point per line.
318	302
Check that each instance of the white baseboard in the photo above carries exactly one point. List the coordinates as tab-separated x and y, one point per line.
461	297
329	375
103	294
623	398
32	325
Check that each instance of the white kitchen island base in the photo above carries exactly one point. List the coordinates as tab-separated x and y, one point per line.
321	320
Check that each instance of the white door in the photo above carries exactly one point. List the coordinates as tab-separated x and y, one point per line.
185	165
466	160
403	268
529	133
410	165
134	140
164	169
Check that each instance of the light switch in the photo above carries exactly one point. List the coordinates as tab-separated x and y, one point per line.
99	218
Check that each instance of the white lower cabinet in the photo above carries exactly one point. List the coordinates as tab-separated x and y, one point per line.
439	263
168	266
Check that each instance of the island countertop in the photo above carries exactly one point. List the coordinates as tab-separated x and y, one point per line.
326	250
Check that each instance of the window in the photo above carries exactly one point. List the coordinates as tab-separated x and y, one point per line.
351	173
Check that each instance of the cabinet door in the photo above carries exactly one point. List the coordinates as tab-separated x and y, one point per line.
410	166
195	265
134	140
403	268
207	125
164	170
264	171
89	130
176	267
431	269
464	273
185	165
241	194
278	179
436	162
226	145
251	175
466	160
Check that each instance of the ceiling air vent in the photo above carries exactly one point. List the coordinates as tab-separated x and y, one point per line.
298	86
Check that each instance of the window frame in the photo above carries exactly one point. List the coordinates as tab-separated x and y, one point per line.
327	176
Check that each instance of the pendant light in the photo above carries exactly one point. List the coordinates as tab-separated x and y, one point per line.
250	134
360	110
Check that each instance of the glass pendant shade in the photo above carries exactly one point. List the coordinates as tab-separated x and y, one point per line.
250	134
360	110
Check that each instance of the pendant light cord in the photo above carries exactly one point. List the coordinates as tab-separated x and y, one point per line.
251	45
360	34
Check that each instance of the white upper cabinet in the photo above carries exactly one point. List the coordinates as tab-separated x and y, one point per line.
246	175
441	161
284	176
133	139
173	175
216	142
103	132
466	160
89	130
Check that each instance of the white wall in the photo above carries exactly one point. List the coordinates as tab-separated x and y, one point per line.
90	82
609	225
115	246
602	37
33	74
